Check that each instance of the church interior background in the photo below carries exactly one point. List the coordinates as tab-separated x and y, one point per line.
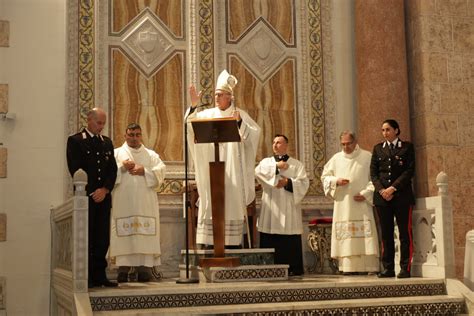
306	68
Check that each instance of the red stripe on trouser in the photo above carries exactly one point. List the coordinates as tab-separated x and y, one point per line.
381	239
410	256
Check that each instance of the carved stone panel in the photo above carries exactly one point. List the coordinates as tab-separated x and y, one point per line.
4	34
3	98
63	255
142	60
148	44
3	227
274	112
259	47
170	13
155	103
3	162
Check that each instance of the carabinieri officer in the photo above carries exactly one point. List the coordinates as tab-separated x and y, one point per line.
94	153
391	170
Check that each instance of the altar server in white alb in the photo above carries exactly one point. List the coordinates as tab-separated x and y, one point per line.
346	179
239	158
284	182
135	225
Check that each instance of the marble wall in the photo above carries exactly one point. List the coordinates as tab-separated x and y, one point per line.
34	67
382	83
441	75
148	53
146	67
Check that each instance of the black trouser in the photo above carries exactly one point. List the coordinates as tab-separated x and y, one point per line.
99	237
403	217
288	250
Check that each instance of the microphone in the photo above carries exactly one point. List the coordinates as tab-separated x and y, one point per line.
191	109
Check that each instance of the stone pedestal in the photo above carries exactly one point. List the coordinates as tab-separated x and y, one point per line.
256	264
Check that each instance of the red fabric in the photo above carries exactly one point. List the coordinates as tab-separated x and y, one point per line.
321	220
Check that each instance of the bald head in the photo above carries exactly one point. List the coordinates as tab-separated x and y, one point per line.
96	119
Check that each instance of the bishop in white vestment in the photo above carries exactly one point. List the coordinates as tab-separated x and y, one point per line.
284	182
239	158
135	223
346	179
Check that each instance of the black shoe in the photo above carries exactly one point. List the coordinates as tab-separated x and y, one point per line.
403	274
143	274
295	273
143	277
106	283
122	277
386	274
350	273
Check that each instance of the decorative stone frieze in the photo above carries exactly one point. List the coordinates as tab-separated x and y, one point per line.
3	162
3	227
3	98
4	34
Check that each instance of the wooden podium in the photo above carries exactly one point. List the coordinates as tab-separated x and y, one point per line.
219	130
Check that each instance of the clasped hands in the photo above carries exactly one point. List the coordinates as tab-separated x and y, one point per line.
282	165
99	194
387	193
341	182
133	168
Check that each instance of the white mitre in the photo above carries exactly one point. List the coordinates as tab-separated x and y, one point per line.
226	82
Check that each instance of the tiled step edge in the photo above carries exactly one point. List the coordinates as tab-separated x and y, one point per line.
235	294
422	305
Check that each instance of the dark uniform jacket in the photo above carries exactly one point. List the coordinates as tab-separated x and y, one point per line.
95	157
393	167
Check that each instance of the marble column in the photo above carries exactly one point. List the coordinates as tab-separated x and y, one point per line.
381	65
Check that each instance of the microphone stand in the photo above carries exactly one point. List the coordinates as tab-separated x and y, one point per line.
186	280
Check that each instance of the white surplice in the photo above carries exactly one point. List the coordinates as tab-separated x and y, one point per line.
281	211
135	218
354	240
239	158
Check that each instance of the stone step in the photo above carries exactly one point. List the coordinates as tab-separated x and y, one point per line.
167	294
421	305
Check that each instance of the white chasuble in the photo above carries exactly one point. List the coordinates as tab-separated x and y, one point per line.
354	240
135	217
239	158
281	210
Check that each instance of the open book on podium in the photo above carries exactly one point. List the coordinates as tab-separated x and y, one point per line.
217	130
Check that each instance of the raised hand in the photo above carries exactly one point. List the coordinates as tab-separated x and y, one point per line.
195	96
